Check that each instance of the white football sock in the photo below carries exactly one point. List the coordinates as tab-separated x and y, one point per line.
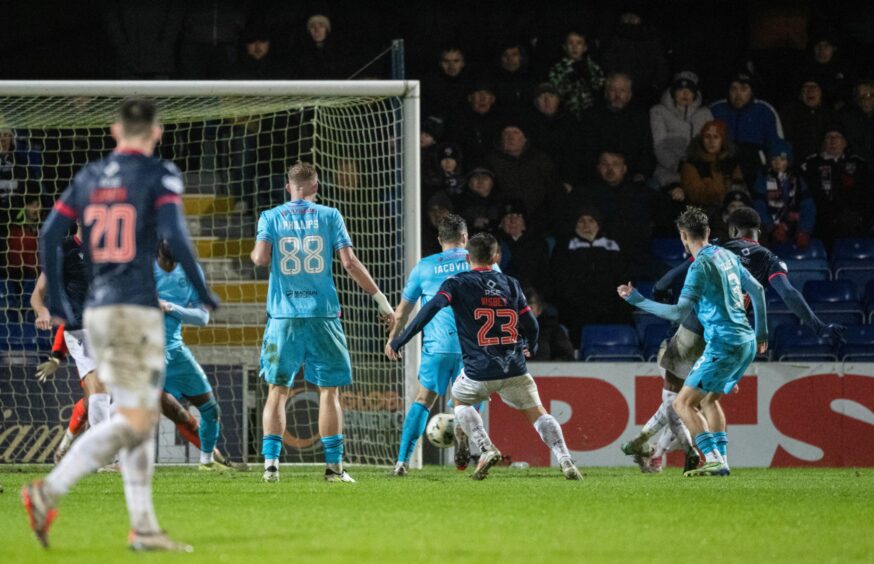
655	424
137	468
268	462
206	457
665	443
550	433
97	447
678	428
472	423
98	409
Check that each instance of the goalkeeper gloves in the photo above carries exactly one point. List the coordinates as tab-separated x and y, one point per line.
47	369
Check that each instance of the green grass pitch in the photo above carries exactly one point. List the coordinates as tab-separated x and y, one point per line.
440	515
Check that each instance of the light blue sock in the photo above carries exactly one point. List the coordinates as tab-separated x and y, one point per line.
271	447
414	426
333	449
721	441
209	425
705	443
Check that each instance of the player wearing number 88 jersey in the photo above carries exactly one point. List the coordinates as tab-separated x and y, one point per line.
298	239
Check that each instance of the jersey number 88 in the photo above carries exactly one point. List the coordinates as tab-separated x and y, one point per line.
312	262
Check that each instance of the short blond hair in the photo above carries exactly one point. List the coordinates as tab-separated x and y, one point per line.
301	173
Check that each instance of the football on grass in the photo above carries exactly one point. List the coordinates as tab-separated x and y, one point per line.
441	430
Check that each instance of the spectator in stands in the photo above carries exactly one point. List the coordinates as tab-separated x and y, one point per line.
525	173
437	207
752	124
23	242
674	122
450	176
512	79
430	132
481	203
143	36
477	128
257	60
529	252
555	132
625	211
577	77
828	69
733	200
20	175
585	266
858	122
782	199
711	169
553	342
840	184
209	38
635	49
319	56
804	119
619	126
444	92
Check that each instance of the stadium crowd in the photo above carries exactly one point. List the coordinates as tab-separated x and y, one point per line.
575	136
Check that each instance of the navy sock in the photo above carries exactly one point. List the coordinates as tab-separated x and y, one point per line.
414	426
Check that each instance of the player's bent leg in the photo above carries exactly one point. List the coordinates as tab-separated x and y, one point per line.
98	399
78	419
273	421
208	430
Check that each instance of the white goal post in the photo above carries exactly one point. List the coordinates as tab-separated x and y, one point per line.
233	141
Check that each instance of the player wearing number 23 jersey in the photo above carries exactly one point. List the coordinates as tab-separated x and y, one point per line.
302	304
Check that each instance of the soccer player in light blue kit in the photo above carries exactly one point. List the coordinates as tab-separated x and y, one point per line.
714	288
441	351
298	239
184	376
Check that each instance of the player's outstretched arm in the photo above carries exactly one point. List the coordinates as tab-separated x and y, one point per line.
196	315
171	226
757	296
402	315
425	315
675	313
51	257
38	304
799	306
359	273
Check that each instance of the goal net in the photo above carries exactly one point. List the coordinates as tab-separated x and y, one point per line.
233	143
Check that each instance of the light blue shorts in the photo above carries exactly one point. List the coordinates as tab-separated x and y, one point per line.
185	377
721	367
317	343
438	370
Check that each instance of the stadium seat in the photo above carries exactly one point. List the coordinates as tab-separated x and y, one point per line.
642	321
801	344
645	288
610	343
789	251
780	319
853	249
859	346
670	251
798	277
845	318
857	272
652	340
869	301
837	293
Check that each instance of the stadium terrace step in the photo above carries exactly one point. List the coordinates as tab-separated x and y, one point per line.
224	335
241	292
228	268
233	225
205	204
204	182
240	314
213	247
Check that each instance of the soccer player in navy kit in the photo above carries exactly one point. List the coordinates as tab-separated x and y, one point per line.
298	239
495	328
126	202
684	348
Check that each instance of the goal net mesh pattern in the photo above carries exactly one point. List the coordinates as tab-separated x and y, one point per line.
234	152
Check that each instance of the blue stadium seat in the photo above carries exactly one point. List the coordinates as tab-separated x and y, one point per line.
642	321
859	346
853	249
670	251
802	344
645	288
27	286
798	277
857	272
23	336
845	318
869	301
652	340
814	251
779	319
832	292
610	343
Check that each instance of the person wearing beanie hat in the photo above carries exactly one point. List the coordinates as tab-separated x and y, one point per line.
449	177
319	57
841	186
674	122
782	199
512	77
711	169
804	118
826	64
753	124
476	128
481	204
858	121
529	251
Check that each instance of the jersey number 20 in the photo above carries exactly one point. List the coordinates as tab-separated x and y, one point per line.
112	237
312	261
509	334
